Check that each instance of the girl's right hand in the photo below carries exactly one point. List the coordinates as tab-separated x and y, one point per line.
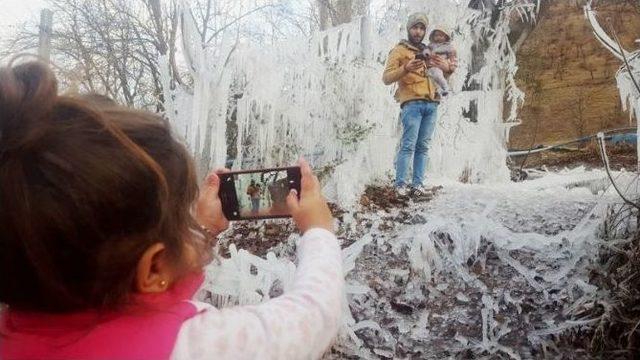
311	211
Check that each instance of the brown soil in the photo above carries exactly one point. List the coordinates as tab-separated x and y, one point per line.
568	77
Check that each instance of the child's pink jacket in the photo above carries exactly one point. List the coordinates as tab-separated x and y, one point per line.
300	324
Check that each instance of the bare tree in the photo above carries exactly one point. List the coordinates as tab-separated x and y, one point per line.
110	47
113	46
578	111
336	12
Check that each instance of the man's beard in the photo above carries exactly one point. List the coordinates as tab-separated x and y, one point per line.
415	40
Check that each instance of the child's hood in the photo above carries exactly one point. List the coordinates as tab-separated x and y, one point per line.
442	29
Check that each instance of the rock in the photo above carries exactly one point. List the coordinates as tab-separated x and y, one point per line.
462	298
401	307
418	219
364	201
400	276
518	175
271	230
386	354
477	268
422	198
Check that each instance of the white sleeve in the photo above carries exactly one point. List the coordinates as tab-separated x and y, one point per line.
300	324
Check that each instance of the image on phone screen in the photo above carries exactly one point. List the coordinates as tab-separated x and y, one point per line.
258	194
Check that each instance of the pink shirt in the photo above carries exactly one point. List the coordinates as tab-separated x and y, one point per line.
299	324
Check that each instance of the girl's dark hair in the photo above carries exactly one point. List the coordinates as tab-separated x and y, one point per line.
85	188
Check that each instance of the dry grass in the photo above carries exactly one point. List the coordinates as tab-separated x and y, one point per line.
617	334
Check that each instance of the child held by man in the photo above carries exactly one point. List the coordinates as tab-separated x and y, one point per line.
439	44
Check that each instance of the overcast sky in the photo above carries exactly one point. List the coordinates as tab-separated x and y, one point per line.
14	12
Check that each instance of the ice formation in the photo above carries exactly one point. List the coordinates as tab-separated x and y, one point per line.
325	100
542	236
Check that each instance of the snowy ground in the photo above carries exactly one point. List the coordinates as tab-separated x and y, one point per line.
479	270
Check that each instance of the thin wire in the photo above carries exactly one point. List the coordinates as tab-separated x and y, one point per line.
584	138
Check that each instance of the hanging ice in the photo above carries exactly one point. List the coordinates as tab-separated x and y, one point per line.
325	100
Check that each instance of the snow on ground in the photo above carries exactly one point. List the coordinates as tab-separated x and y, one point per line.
479	269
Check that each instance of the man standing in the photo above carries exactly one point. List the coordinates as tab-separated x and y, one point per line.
417	97
254	191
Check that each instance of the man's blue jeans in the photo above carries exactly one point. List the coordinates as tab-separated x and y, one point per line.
418	122
255	205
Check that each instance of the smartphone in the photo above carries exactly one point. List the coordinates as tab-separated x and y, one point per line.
258	194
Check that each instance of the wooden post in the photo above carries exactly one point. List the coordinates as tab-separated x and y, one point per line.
44	45
365	36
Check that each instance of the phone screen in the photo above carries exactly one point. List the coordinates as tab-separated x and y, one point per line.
258	194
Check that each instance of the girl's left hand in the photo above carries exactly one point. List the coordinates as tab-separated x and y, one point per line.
208	210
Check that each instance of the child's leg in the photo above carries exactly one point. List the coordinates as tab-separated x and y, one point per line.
438	76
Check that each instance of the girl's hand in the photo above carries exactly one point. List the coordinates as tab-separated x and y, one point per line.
208	210
311	210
